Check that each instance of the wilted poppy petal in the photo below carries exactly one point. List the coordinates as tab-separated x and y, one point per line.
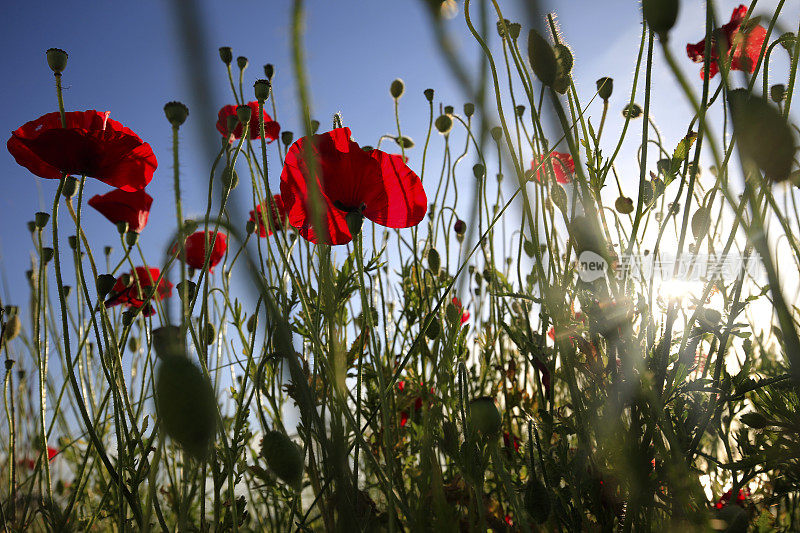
123	206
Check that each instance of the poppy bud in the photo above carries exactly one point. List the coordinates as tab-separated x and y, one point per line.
519	110
226	54
134	344
252	323
57	60
478	170
41	219
231	121
131	238
261	89
242	62
107	250
469	109
13	327
127	317
605	86
452	313
176	113
126	280
443	124
269	71
564	61
244	113
778	93
186	404
230	179
434	260
47	255
497	133
700	222
314	126
501	27
354	221
484	416
105	282
460	227
537	500
189	287
755	420
122	227
660	15
284	458
250	227
448	110
542	58
31	226
66	292
72	240
287	137
434	328
210	333
404	142
397	88
31	275
624	205
632	111
70	186
428	94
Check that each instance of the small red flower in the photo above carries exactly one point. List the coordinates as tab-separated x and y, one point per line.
51	453
401	385
377	184
133	295
196	249
122	206
403	418
508	520
464	314
510	440
271	128
277	220
91	145
747	45
741	497
563	167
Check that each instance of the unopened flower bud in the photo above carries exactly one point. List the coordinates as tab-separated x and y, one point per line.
122	227
243	113
252	323
778	93
231	122
460	227
624	205
444	124
397	88
70	186
287	137
226	54
72	240
57	60
41	219
428	94
542	58
434	260
230	179
261	89
269	71
187	287
404	142
250	227
9	364
47	254
469	109
127	317
605	86
210	333
176	113
66	292
242	62
105	283
660	15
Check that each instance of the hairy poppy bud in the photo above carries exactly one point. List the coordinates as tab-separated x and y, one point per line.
405	142
209	332
397	88
47	255
605	86
13	327
269	71
542	58
70	186
188	287
755	420
443	124
284	458
242	62
261	89
186	405
434	260
701	220
632	111
624	205
660	15
778	93
469	109
57	60
484	416
127	317
105	282
287	137
564	62
41	219
478	170
434	328
244	113
72	240
122	227
428	94
537	500
230	179
354	221
176	113
314	126
252	323
131	238
460	227
226	54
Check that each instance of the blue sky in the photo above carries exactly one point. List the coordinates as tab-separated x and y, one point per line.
125	57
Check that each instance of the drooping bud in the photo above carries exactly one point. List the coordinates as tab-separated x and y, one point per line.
397	88
404	142
226	54
57	60
67	291
107	250
261	89
460	227
542	58
176	113
242	62
250	227
244	113
484	416
443	124
478	171
660	15
284	458
269	71
72	240
605	86
105	283
778	93
428	94
41	219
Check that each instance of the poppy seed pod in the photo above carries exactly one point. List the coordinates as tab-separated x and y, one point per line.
397	88
242	62
269	71
105	282
542	58
244	113
13	327
57	60
284	458
443	124
250	227
778	93
226	54
70	186
478	171
519	110
448	110
354	221
72	240
189	287
31	226
605	86
484	416
176	113
122	227
127	317
287	137
469	109
660	15
41	219
261	89
47	254
428	94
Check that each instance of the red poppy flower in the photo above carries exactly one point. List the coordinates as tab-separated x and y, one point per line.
741	497
91	145
377	184
563	167
510	440
401	385
277	220
464	314
746	45
132	295
122	206
196	249
271	128
403	418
